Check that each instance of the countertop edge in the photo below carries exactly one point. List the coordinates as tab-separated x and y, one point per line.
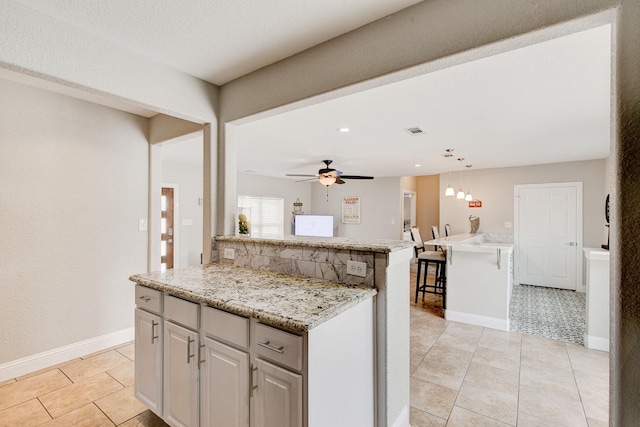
277	320
365	245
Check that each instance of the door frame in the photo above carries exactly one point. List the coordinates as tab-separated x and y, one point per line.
580	287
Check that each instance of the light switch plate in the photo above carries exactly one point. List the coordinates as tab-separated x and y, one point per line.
357	268
142	225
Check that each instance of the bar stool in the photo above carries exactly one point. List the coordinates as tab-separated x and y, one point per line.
425	257
447	230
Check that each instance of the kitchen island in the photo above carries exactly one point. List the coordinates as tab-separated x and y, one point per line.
479	278
313	335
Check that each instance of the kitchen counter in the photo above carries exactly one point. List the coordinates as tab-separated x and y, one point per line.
479	273
294	303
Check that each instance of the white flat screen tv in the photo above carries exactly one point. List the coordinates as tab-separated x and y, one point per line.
313	225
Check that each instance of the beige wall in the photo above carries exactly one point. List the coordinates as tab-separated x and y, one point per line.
429	205
74	184
381	207
495	188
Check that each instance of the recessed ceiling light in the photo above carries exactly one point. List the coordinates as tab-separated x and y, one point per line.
417	165
343	130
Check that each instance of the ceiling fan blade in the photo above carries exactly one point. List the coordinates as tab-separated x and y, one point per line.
297	174
355	177
339	181
308	179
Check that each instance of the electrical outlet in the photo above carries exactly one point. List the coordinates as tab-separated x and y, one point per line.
508	225
229	253
357	268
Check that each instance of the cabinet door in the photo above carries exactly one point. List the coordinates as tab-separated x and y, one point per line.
278	397
148	363
180	376
224	386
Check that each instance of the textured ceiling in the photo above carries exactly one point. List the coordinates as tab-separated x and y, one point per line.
217	40
544	103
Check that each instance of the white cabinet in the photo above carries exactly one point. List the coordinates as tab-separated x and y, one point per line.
180	376
278	396
148	361
224	386
181	362
200	366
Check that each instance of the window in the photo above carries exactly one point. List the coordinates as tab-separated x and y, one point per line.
265	215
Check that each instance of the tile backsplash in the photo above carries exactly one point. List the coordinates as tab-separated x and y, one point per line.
322	263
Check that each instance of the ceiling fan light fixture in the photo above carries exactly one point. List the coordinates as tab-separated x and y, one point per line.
326	180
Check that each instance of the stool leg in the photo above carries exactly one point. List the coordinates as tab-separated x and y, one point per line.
418	280
424	279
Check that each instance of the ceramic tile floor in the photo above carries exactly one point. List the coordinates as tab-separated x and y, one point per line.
465	375
461	375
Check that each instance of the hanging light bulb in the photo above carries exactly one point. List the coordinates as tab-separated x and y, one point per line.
460	194
449	191
468	197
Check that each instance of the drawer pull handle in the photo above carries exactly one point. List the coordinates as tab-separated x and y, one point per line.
153	331
270	347
145	298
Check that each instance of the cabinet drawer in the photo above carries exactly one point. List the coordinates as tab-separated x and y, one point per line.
149	299
225	326
279	346
181	311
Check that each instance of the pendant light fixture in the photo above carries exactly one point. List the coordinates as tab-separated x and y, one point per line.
468	197
449	191
460	194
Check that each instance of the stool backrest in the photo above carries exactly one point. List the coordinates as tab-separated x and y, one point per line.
417	239
447	230
434	232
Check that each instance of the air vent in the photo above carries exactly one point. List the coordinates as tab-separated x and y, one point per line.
415	131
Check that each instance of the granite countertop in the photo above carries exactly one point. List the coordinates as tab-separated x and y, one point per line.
353	244
294	303
478	240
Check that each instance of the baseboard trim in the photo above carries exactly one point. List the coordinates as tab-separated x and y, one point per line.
596	343
477	319
403	418
58	355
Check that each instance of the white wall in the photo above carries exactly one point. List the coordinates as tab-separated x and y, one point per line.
252	185
74	184
494	187
381	207
182	165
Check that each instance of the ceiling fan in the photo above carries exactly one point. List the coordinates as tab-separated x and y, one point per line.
327	176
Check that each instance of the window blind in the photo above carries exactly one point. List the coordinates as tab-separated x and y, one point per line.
265	215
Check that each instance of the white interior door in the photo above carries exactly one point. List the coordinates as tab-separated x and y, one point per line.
548	235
